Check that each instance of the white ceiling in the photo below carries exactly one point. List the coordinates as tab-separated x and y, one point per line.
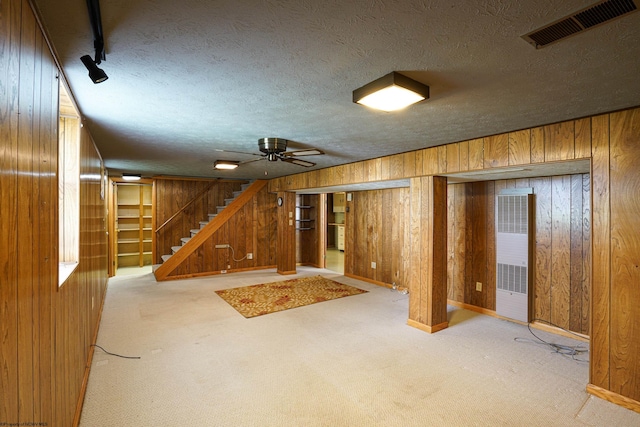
192	76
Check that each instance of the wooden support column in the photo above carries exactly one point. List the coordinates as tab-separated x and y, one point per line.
286	250
428	258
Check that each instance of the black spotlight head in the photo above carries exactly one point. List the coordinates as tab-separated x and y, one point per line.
96	74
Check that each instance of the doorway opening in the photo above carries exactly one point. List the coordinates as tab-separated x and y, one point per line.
335	235
131	225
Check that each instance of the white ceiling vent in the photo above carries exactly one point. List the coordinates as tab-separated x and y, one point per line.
599	13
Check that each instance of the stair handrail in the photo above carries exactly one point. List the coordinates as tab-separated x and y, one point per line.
192	201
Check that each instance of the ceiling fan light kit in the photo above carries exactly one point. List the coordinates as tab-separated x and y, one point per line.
225	164
391	92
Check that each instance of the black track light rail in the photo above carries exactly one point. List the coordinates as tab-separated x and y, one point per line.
96	25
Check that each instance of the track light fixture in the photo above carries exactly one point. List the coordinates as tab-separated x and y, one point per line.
96	74
391	92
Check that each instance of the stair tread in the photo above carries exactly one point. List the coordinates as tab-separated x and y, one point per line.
165	257
175	248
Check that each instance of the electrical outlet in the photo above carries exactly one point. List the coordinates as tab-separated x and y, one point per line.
479	286
373	264
224	246
249	255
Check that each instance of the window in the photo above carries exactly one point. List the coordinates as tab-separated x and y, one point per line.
68	187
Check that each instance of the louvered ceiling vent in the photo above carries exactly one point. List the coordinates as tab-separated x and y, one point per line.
590	17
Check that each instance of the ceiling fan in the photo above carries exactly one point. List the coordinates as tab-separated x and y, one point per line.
274	149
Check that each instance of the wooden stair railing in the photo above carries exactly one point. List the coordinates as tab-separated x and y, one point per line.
192	201
166	268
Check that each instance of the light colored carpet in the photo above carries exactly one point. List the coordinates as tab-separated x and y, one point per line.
349	362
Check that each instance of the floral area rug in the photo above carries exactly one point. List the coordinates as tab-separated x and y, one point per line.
256	300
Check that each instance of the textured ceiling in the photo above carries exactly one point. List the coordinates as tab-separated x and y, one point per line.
189	77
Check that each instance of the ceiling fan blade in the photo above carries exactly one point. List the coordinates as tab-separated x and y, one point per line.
305	152
252	160
237	152
298	162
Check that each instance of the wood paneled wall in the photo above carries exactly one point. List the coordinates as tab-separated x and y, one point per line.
45	331
377	231
252	229
172	194
609	247
563	246
622	327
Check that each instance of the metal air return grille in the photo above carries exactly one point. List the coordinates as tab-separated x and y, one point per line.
512	278
590	17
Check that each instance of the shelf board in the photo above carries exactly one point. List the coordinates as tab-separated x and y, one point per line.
128	241
304	207
304	220
304	228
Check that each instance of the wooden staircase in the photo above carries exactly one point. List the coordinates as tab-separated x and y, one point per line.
207	228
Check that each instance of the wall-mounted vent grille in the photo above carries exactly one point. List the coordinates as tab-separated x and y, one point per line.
597	14
514	218
512	278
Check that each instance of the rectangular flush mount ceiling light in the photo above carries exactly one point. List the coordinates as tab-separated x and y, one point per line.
131	177
225	164
391	92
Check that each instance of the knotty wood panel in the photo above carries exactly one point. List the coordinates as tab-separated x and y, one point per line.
583	138
576	253
625	253
476	154
496	151
520	147
410	162
537	145
560	251
543	257
453	157
442	158
430	161
559	141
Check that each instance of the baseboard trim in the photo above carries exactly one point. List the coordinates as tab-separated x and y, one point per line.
427	328
214	273
612	397
536	325
87	369
375	282
473	308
